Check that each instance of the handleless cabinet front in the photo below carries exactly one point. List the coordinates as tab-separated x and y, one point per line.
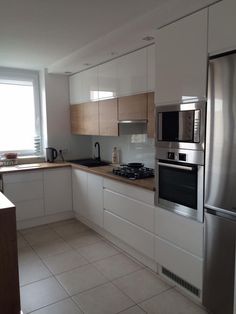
181	60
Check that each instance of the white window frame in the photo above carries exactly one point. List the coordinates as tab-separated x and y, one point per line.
31	76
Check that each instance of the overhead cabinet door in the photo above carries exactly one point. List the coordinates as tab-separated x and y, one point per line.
132	107
222	25
181	60
84	118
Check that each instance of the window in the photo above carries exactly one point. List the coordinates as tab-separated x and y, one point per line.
20	123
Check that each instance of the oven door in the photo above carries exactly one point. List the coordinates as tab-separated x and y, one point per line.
180	188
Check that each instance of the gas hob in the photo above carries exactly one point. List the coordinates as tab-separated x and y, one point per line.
134	171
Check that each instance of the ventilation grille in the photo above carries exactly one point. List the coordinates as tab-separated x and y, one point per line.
181	282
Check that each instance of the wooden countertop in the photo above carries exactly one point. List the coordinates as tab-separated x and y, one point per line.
36	166
105	171
5	203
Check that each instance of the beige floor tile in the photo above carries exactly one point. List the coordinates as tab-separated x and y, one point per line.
97	251
70	229
80	279
82	239
21	241
116	266
41	293
32	271
106	299
64	261
51	248
141	285
37	228
133	310
26	255
171	302
40	236
66	306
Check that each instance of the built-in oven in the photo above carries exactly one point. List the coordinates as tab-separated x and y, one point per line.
181	126
179	182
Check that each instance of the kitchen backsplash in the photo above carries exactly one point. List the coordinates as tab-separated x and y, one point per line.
132	148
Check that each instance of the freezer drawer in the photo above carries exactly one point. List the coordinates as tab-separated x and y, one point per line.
219	264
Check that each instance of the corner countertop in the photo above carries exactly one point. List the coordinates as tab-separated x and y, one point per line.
104	171
5	203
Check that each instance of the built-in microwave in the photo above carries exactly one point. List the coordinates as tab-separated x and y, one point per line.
181	126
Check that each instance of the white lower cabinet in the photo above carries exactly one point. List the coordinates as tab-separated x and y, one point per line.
57	190
136	237
180	262
88	196
179	246
25	190
39	193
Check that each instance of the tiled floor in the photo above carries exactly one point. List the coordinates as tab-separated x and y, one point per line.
66	268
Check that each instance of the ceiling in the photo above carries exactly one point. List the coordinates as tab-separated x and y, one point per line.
71	35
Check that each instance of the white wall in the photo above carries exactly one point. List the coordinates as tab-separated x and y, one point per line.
55	94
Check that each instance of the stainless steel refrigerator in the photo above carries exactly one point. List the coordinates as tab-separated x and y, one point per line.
220	187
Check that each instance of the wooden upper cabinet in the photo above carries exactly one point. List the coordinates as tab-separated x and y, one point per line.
132	107
151	116
84	119
108	117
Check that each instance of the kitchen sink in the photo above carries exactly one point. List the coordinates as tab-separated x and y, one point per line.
90	162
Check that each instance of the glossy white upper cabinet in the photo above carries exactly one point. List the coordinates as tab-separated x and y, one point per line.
107	80
151	68
222	26
132	73
181	60
84	86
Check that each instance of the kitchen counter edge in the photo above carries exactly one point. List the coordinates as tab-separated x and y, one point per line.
104	171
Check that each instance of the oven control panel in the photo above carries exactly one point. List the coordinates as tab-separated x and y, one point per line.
176	156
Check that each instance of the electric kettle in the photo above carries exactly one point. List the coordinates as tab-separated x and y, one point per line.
51	154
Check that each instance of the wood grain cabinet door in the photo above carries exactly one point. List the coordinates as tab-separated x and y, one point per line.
151	116
132	107
108	117
84	118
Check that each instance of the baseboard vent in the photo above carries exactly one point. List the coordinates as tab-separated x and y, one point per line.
181	282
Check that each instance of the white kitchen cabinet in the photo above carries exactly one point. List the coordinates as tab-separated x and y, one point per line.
25	190
88	196
107	80
180	262
136	237
84	86
57	190
130	209
80	192
132	73
181	60
151	68
95	199
222	25
183	232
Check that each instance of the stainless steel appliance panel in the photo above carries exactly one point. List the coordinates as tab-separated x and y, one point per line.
181	126
219	263
220	185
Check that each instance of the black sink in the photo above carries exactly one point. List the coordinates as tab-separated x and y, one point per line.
89	162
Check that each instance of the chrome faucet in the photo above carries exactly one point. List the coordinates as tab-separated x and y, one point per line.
98	156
